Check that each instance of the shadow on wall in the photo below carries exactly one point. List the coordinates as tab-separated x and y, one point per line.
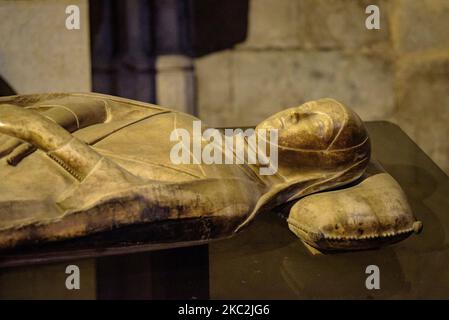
204	26
121	49
218	25
126	38
6	89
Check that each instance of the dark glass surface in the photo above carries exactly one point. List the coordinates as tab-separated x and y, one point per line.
267	261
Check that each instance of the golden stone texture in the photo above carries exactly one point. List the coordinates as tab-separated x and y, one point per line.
75	165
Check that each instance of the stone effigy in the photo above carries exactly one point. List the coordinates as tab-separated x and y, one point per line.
74	165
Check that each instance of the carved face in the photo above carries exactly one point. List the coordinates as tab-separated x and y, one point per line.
302	129
320	133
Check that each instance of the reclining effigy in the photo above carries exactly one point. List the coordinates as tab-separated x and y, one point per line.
75	165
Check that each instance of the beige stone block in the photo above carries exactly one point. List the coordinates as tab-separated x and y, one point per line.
243	88
273	23
214	88
38	53
423	104
341	23
314	24
175	86
421	25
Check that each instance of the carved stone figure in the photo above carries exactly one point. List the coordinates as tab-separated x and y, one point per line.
74	165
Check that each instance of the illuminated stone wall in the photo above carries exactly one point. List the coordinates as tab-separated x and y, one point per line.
38	53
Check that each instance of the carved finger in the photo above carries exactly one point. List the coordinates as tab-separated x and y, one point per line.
19	153
8	145
72	154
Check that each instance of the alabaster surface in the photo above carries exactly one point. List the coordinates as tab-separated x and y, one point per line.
73	165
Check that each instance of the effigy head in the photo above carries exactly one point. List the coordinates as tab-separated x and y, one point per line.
321	134
323	145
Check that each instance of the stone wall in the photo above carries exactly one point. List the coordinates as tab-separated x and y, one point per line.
298	50
38	53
